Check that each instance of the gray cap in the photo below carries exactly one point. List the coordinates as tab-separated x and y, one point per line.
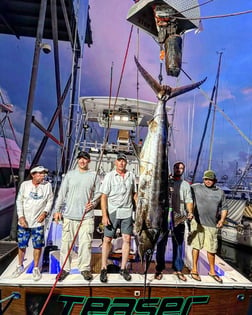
121	156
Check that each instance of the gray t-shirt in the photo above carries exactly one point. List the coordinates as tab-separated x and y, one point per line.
181	195
209	203
120	192
75	191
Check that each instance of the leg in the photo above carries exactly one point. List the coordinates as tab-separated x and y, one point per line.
38	241
106	248
125	250
85	239
211	260
177	245
68	231
36	256
160	254
194	271
21	255
195	257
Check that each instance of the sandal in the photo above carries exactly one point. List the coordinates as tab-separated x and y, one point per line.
216	278
158	275
195	276
180	276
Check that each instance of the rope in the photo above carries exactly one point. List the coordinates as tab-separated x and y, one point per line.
221	111
214	16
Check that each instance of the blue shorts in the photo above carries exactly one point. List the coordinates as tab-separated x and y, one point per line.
125	226
37	234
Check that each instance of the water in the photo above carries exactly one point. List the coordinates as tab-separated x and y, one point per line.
239	258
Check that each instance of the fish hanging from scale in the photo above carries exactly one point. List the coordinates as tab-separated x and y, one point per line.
153	204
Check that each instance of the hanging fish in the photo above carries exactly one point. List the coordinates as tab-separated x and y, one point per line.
152	205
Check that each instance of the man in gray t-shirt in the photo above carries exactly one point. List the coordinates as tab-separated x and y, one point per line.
210	213
77	198
118	192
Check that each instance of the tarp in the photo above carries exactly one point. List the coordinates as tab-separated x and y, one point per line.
9	153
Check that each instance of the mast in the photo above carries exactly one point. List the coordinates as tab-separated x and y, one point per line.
214	113
213	97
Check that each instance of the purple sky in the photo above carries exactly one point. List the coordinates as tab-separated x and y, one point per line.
111	31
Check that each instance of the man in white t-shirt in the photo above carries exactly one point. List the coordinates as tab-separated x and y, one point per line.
118	192
34	202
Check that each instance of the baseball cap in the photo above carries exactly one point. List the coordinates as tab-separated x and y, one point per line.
83	154
209	174
38	169
121	156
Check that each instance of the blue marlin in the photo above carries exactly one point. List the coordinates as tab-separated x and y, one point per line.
153	202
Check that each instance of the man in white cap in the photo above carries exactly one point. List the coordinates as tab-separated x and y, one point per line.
77	198
118	191
34	202
210	212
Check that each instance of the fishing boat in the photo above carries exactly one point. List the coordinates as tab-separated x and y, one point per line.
143	294
9	164
238	226
75	295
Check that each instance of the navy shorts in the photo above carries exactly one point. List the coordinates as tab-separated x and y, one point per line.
125	226
37	234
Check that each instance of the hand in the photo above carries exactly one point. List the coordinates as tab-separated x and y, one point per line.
57	217
190	216
220	224
89	206
42	217
106	221
22	222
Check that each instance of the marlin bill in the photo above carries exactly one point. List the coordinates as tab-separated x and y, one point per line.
153	201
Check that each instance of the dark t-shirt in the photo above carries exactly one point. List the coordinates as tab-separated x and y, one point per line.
209	202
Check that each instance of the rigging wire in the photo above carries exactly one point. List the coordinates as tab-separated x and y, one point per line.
221	111
214	16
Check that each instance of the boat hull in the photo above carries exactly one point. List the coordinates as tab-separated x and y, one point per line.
107	299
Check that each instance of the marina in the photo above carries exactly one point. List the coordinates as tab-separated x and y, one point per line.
117	118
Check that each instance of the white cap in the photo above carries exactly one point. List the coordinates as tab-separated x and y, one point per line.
38	169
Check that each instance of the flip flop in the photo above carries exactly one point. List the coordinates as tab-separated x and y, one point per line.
158	275
195	276
216	278
180	276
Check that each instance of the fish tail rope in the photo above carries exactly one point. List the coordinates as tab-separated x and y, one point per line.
99	163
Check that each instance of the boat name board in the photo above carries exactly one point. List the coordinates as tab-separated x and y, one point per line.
148	306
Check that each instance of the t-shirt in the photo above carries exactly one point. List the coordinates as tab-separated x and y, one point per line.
75	191
33	200
209	203
181	195
120	192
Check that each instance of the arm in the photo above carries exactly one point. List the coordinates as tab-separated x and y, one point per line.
20	209
189	209
104	208
60	200
222	219
48	206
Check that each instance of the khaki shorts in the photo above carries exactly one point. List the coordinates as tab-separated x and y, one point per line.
204	237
